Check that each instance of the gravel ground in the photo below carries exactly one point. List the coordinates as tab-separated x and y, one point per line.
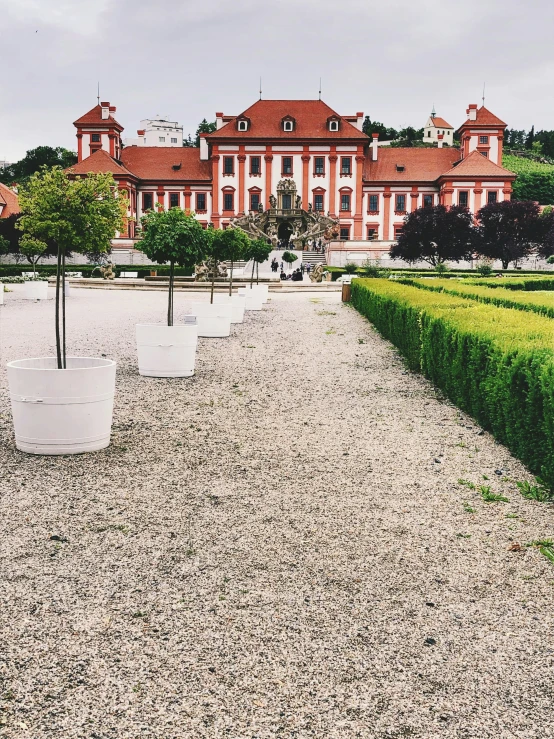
276	547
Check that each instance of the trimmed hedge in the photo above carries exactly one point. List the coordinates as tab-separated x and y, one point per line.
518	276
495	364
523	283
520	300
49	270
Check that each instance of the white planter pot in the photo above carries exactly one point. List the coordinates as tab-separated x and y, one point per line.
66	288
35	290
166	351
263	290
1	294
214	319
238	306
62	411
253	298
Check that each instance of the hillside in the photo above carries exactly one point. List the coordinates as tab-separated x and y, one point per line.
535	181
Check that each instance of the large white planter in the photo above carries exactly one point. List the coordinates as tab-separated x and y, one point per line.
166	351
1	294
214	319
62	411
263	290
66	288
254	298
238	305
35	290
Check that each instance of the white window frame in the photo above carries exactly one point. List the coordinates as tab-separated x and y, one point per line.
243	126
333	126
161	139
288	126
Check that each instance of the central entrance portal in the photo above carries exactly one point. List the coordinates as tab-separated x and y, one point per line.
284	232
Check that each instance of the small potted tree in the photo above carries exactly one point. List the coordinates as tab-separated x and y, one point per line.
258	252
168	350
214	318
33	249
64	404
233	246
289	258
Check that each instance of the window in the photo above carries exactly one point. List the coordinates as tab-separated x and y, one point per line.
484	153
345	202
344	233
95	138
254	200
173	141
397	231
319	165
255	163
200	201
288	126
287	165
346	165
243	125
147	200
371	233
492	196
228	165
161	139
483	139
228	199
428	134
374	203
400	204
427	201
173	199
463	198
333	125
286	201
318	203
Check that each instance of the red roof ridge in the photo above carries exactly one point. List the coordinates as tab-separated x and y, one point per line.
10	201
476	164
94	116
102	162
440	122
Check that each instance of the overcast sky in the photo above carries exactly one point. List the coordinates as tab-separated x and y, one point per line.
392	59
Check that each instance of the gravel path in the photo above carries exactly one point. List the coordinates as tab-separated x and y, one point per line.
277	547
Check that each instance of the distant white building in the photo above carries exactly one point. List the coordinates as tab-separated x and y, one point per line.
157	131
436	127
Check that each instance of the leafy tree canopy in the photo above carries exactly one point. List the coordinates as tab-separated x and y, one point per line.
173	236
203	127
42	156
80	214
436	234
509	230
230	244
32	249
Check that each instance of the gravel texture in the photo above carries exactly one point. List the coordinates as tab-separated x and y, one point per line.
276	547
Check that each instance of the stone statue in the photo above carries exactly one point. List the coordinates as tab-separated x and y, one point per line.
310	208
273	201
260	208
298	202
107	271
316	274
203	272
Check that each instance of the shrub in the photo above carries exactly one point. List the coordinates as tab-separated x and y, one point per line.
485	270
497	365
350	268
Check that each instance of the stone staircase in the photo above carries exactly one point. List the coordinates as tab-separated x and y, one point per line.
313	257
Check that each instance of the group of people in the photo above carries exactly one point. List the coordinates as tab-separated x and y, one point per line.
313	244
296	276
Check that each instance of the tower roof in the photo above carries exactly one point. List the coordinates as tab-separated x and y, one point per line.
477	165
100	162
484	118
94	118
440	122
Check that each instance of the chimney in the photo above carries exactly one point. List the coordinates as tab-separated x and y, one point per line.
472	112
140	132
218	120
440	138
360	121
105	111
374	146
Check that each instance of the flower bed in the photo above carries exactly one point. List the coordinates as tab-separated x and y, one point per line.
495	364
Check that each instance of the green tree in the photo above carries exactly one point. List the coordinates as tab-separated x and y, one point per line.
370	127
34	160
32	249
258	251
288	257
176	237
203	127
81	214
4	245
231	244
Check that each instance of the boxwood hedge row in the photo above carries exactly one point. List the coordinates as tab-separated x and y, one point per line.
495	364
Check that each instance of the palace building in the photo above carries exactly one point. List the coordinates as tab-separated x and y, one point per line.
296	169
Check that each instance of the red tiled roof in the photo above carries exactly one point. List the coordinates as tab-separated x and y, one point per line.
100	161
9	200
94	117
310	116
477	165
156	163
484	118
440	122
421	164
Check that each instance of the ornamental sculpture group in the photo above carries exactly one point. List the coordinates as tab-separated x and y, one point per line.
302	226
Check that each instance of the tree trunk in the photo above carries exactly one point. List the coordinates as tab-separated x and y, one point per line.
505	263
231	279
63	311
214	264
252	276
57	313
257	273
170	294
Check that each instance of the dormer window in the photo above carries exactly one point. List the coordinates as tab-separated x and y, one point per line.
400	168
242	124
333	124
289	124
